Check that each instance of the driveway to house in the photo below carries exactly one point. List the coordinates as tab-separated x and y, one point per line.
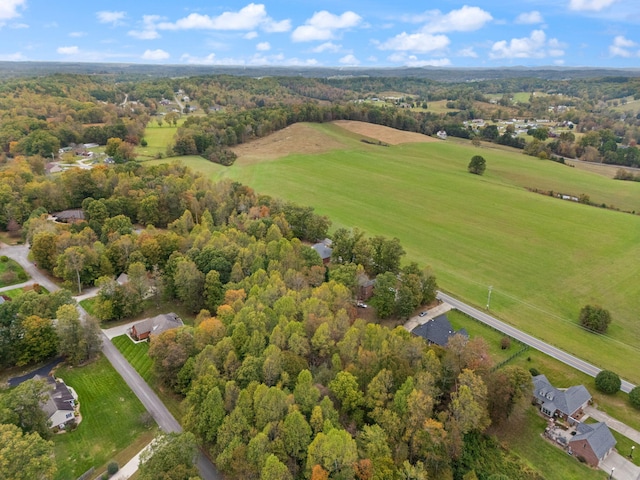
624	469
20	254
613	424
527	339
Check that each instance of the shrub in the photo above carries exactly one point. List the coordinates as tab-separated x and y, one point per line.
634	397
505	343
595	318
143	143
4	259
534	372
112	468
608	382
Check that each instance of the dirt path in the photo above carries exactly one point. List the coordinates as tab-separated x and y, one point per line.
384	134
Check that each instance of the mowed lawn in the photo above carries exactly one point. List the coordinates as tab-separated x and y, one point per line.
137	355
111	419
158	138
544	257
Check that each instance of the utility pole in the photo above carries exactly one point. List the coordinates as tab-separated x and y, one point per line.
489	296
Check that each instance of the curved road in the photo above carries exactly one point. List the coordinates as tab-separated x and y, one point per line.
165	420
527	339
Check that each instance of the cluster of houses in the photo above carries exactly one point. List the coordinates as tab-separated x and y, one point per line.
590	442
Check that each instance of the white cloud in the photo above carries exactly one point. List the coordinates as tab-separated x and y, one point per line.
148	31
468	52
248	18
18	26
77	34
208	60
590	5
416	42
414	61
250	35
530	18
533	46
621	46
323	25
327	47
466	19
9	8
68	50
12	57
158	54
349	60
263	47
111	17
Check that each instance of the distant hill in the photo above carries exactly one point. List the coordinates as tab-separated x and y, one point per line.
27	69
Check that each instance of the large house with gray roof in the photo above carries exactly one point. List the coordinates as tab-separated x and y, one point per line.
60	403
566	404
438	331
155	325
592	443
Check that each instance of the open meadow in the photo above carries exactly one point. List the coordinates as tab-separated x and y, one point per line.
544	257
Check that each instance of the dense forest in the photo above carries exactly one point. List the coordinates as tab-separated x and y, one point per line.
280	377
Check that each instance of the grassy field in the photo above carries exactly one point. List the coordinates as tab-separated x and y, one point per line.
11	273
544	257
110	419
157	137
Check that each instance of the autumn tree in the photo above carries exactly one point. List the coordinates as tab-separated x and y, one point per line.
25	456
21	407
171	457
38	340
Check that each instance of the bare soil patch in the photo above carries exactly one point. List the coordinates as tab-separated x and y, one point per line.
384	134
298	138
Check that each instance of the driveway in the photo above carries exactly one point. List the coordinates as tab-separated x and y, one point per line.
613	424
42	371
624	469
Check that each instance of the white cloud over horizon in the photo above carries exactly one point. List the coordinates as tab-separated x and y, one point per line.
416	42
155	55
323	25
72	50
530	18
620	47
590	5
535	45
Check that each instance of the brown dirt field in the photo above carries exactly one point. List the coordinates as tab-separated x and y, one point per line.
297	138
384	134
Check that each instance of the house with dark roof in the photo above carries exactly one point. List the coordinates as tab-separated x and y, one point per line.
75	215
438	330
566	404
592	443
60	404
324	250
155	325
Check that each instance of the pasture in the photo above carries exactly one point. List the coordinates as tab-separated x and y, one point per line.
544	257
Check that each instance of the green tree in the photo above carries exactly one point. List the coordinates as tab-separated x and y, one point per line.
213	290
335	451
25	456
43	249
384	295
345	388
171	457
296	435
21	406
38	340
274	469
189	284
477	165
595	318
608	382
386	254
634	397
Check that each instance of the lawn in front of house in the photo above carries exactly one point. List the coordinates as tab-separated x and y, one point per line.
11	272
137	354
112	419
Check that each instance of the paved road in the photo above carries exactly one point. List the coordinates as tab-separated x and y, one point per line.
145	394
544	347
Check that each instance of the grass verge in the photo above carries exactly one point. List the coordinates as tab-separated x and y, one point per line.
111	419
11	273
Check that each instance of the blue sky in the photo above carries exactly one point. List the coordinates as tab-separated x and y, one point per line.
484	33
